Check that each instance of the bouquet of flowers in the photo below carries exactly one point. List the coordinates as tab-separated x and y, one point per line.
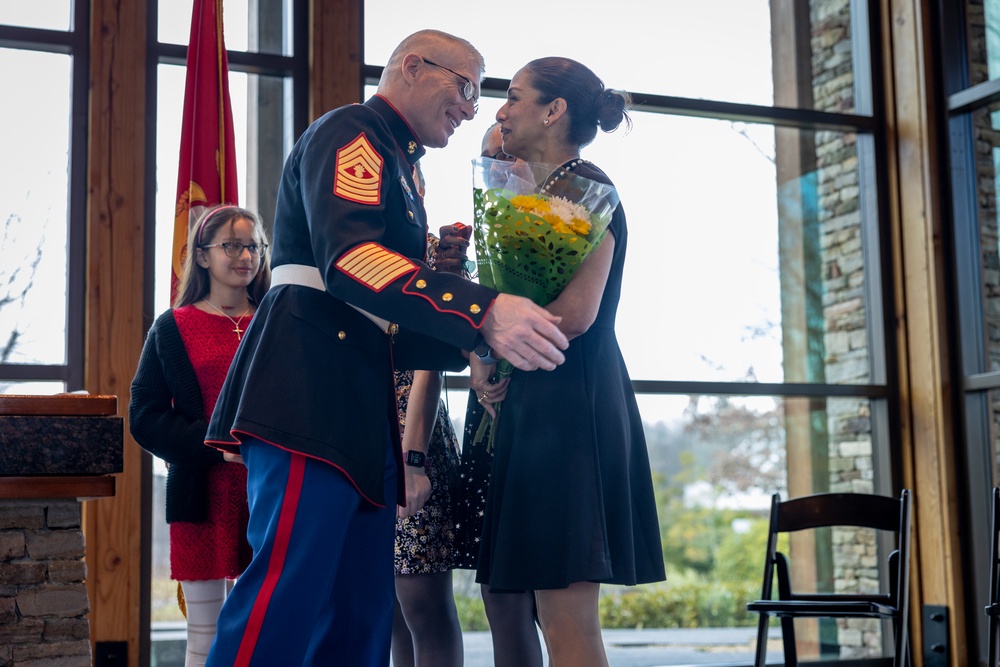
534	225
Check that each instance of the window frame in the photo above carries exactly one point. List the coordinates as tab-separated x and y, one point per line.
74	43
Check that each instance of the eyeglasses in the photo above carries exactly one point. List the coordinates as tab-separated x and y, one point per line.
468	90
235	248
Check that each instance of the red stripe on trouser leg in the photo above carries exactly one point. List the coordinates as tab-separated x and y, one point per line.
282	537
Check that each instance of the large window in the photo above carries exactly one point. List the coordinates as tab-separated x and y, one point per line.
41	204
972	80
752	317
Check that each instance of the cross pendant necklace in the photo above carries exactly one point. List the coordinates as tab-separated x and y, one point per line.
236	323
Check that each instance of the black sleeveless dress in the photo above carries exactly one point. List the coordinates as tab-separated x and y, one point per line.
571	496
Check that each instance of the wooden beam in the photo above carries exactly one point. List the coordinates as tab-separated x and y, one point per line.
916	214
59	405
114	323
336	55
83	487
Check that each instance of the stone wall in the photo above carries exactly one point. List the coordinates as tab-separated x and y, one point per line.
43	598
847	359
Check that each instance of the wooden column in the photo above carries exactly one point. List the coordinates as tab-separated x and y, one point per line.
114	323
336	54
929	465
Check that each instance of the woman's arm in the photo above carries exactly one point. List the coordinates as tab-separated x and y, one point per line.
421	415
580	300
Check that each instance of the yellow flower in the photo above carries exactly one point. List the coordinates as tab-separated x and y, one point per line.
530	204
554	212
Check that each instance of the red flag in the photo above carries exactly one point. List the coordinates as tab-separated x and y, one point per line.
207	171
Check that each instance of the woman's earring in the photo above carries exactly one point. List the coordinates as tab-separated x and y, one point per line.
546	121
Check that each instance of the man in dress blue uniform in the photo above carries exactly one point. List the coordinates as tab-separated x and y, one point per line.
309	401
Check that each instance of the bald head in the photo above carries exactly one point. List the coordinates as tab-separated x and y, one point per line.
492	141
437	46
432	79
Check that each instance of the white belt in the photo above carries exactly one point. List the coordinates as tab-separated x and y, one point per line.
309	276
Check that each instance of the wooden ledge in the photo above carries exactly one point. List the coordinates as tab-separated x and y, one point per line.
68	405
82	487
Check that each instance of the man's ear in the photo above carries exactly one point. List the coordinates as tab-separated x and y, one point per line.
410	66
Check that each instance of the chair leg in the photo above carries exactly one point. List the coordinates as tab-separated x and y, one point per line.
788	642
901	657
761	655
993	641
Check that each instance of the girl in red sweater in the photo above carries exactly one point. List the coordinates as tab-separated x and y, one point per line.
184	362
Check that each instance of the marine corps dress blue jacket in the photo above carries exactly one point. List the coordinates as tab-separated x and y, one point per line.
313	374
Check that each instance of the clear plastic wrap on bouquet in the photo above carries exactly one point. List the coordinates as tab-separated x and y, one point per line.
531	234
520	252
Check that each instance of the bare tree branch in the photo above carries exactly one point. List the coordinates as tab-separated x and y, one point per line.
16	280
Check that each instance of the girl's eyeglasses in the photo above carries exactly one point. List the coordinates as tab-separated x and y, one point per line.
234	248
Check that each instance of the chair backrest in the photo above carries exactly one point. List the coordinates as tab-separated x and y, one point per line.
859	510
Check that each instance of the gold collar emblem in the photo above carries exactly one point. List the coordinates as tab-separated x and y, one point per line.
411	147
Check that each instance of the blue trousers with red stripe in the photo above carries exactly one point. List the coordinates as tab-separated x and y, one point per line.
319	590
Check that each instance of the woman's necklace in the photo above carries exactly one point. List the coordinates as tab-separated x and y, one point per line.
236	323
561	172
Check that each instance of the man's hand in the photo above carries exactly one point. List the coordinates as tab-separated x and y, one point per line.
232	458
524	334
452	250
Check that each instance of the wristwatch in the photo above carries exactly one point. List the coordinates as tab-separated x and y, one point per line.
485	353
415	458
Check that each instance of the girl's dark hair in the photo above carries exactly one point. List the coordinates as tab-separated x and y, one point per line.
588	103
194	281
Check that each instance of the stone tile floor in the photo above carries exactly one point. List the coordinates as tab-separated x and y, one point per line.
722	647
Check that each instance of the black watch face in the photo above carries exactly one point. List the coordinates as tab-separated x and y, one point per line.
415	458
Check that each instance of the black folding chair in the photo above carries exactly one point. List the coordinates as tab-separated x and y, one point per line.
881	513
993	608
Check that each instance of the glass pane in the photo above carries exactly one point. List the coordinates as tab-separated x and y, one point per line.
713	509
32	388
262	129
993	446
34	208
714	49
716	461
732	276
45	14
167	624
984	40
271	28
261	118
987	142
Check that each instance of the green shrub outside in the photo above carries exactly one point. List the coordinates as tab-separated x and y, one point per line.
700	604
471	613
712	594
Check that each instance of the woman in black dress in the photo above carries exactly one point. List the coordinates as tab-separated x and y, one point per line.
570	503
511	616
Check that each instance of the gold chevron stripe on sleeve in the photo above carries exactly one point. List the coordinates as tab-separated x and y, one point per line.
359	172
374	265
